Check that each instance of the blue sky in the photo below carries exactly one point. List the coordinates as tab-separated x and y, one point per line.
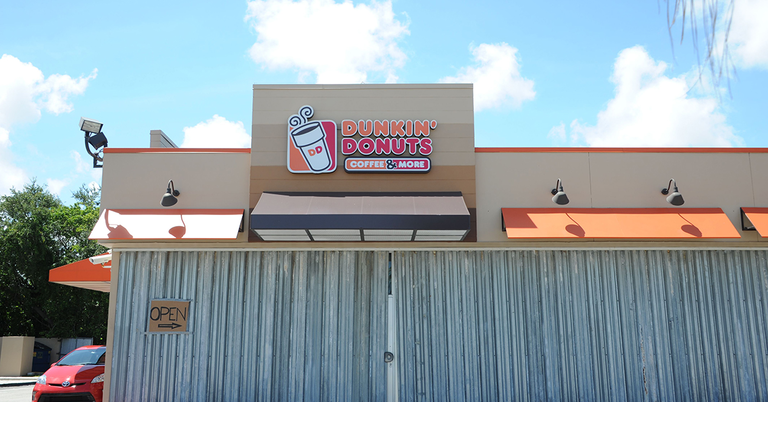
555	73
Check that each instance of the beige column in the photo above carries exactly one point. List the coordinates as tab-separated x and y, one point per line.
111	323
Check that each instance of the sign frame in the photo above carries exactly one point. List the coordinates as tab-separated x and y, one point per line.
172	327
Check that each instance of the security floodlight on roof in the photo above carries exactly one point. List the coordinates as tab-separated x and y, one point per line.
98	141
95	138
89	125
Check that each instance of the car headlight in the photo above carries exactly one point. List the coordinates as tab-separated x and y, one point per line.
41	379
97	379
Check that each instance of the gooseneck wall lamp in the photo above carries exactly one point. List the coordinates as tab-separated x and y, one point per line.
169	198
675	198
95	140
559	198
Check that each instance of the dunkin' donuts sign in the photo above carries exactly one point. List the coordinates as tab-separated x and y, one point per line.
373	146
311	144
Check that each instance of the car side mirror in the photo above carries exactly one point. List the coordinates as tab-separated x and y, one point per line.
53	364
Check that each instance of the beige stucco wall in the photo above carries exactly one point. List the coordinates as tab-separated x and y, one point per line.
593	178
610	179
206	180
598	178
449	104
452	159
16	355
758	169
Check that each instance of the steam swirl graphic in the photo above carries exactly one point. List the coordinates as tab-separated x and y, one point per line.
305	113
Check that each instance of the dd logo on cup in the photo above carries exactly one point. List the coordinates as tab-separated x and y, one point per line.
311	144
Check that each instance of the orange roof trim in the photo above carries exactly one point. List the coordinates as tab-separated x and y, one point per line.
82	274
759	219
620	150
628	224
176	150
168	224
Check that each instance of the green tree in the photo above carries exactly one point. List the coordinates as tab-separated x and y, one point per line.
38	233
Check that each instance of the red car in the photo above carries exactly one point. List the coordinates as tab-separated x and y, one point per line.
77	377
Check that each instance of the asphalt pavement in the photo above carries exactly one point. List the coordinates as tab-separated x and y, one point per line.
19	393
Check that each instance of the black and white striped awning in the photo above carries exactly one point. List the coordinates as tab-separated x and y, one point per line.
349	217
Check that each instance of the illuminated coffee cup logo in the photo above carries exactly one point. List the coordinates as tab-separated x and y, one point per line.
312	140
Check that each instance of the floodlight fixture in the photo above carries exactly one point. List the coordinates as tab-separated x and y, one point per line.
98	141
90	125
95	140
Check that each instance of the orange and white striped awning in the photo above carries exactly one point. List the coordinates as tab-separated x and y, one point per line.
624	223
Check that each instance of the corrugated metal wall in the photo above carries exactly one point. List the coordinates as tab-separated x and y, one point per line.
264	326
471	325
582	325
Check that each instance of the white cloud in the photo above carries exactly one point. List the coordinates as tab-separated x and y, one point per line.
80	165
94	185
10	174
338	42
24	91
55	186
653	110
55	90
557	133
84	167
496	77
216	132
748	38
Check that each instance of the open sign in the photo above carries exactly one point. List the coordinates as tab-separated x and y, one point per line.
168	316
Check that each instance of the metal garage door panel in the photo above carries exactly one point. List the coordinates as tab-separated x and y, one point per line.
264	326
582	325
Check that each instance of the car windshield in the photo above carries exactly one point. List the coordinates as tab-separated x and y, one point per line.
83	357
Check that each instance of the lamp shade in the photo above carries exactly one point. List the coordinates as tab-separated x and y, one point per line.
560	198
168	199
675	198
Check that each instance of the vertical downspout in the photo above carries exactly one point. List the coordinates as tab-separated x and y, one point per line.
392	381
111	323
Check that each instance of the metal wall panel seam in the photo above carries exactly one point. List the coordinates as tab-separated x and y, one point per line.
725	349
360	303
138	345
759	330
251	335
711	314
347	370
119	354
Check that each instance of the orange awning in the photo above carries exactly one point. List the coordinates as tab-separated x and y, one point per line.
759	219
82	274
648	223
168	224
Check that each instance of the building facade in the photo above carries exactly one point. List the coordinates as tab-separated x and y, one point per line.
363	249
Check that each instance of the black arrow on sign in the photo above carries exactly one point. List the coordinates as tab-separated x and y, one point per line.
172	326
